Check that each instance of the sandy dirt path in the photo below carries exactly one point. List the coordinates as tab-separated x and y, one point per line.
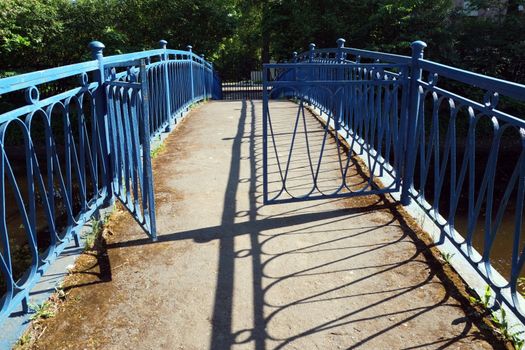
228	272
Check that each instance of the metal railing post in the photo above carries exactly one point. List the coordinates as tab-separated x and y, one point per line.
149	193
189	47
295	71
167	93
340	76
311	55
210	83
101	126
204	77
414	101
311	70
340	52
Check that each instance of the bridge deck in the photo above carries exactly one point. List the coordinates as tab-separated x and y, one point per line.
230	272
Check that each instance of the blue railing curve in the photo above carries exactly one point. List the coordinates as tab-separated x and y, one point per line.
75	137
463	152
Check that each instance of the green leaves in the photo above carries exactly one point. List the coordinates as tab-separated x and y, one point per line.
507	332
483	301
16	41
42	311
36	34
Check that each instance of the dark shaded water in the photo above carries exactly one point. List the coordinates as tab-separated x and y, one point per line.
502	249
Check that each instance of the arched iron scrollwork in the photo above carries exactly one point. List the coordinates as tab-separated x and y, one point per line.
362	101
72	139
58	189
458	146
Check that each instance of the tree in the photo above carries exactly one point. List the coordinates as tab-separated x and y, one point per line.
238	35
28	27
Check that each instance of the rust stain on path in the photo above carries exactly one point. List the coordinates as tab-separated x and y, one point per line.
228	272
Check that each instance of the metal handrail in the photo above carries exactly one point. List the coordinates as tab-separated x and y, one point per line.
59	161
460	139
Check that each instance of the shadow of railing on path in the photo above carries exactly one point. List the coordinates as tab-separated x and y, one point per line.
223	336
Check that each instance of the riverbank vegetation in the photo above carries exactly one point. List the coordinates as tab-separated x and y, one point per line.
239	35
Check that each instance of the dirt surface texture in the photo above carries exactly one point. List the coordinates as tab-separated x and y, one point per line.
231	273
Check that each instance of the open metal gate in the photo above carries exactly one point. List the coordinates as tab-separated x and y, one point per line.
343	135
129	140
242	90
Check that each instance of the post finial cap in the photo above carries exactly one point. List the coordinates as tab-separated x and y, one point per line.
96	48
189	47
312	46
96	45
294	54
418	47
341	42
163	44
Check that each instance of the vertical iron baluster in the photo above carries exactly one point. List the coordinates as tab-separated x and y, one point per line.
415	98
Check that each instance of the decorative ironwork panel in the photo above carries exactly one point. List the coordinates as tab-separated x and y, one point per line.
75	137
463	162
129	139
362	111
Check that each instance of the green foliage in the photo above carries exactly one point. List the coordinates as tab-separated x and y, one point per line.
499	318
238	35
155	152
374	24
35	34
91	237
26	25
486	45
24	340
42	311
483	301
447	257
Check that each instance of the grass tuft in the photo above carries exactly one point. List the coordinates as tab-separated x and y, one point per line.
91	237
157	150
505	330
42	311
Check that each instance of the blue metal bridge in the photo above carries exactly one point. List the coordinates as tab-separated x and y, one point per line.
446	143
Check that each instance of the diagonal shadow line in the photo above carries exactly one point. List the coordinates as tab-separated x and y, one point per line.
299	232
364	230
302	230
422	248
343	286
299	273
307	206
218	232
349	297
336	322
337	271
301	251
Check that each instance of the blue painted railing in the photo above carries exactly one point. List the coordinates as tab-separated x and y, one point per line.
462	145
72	139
